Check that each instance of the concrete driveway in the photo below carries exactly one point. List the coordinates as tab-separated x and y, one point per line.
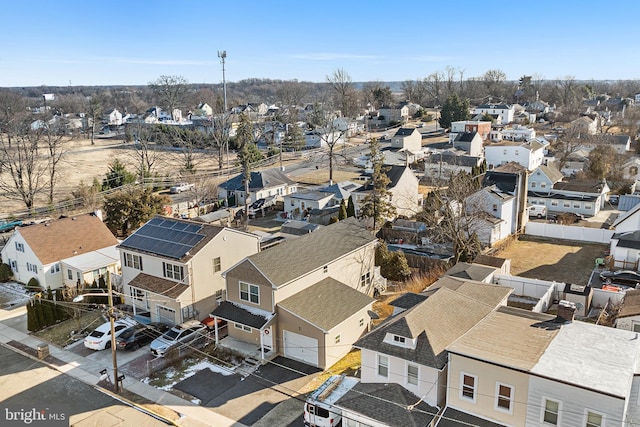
249	399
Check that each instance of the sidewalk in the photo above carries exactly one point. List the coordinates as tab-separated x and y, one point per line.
86	370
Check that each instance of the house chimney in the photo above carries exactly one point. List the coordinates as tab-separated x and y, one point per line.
566	311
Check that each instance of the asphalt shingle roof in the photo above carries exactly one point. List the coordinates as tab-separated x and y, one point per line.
326	304
67	237
436	322
388	404
158	285
292	259
259	180
233	313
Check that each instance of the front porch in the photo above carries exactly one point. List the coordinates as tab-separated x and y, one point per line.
252	354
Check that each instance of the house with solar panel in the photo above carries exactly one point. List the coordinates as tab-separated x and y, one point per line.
71	251
172	268
307	299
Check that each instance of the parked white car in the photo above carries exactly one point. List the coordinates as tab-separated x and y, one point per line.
179	188
185	333
100	338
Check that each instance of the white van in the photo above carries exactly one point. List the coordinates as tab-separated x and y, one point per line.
537	211
319	409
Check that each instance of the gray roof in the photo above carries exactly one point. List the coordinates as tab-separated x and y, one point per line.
394	173
309	195
436	323
587	186
465	136
465	270
551	172
629	239
259	180
405	131
233	313
408	300
292	259
388	404
341	190
326	304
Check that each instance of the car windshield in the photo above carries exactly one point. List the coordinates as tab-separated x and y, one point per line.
126	334
172	334
96	334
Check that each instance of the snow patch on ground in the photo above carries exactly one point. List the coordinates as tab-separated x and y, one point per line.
175	376
13	294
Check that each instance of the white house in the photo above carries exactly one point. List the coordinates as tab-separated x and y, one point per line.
528	154
68	251
500	219
407	139
481	127
298	205
403	187
173	268
115	118
501	113
515	133
393	113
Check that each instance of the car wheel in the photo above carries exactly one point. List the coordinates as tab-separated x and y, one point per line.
107	345
539	216
135	346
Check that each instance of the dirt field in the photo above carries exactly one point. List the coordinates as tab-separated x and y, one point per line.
553	260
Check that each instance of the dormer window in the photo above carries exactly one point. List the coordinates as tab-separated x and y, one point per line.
398	339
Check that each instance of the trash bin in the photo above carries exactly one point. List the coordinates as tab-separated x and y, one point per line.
43	351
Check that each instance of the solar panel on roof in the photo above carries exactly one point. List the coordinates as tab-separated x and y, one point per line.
169	238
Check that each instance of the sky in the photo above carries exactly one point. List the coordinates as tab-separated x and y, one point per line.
133	42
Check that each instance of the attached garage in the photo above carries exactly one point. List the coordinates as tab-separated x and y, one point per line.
300	347
166	315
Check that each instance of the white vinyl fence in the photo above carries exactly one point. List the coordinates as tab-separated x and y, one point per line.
568	232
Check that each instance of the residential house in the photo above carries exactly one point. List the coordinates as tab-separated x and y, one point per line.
520	368
440	164
70	251
500	216
628	317
267	184
628	221
403	186
475	272
203	109
584	125
515	133
483	128
298	205
307	298
511	178
114	118
580	197
501	113
173	268
620	143
251	109
407	139
538	106
529	154
409	349
631	169
393	113
470	143
625	249
341	190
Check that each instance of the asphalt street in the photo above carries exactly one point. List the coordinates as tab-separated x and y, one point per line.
27	383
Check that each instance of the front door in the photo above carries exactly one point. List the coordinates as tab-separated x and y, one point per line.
267	338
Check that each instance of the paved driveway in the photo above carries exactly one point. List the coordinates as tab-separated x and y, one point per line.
249	399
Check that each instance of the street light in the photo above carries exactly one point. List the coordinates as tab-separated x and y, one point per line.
114	357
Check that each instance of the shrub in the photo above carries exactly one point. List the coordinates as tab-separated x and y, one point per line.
5	272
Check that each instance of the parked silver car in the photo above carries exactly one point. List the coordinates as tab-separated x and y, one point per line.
180	334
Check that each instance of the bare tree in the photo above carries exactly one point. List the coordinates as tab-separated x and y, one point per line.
221	124
55	140
494	83
171	90
565	145
144	153
345	94
291	95
94	114
329	130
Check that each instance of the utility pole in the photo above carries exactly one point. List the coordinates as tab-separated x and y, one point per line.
223	56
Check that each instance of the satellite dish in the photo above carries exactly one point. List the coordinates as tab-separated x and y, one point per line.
373	315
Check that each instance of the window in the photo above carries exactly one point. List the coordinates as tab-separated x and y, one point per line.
69	274
217	265
566	204
495	208
242	327
551	409
588	206
594	419
55	268
554	203
133	261
398	339
19	247
543	185
365	279
412	374
468	387
533	184
576	205
250	293
14	266
79	276
173	271
383	366
337	339
136	294
325	269
32	267
503	396
361	322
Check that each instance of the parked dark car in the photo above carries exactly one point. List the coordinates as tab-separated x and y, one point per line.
137	336
624	277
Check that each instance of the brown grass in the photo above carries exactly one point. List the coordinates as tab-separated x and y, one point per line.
60	334
321	176
348	365
552	260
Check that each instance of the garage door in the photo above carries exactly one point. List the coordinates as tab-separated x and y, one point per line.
166	315
300	347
